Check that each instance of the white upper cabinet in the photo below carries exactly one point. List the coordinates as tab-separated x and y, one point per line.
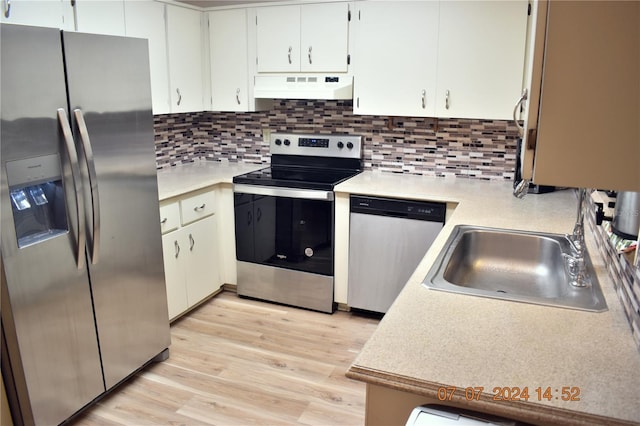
184	40
145	19
230	47
460	59
481	51
324	37
278	38
100	16
307	38
396	45
39	13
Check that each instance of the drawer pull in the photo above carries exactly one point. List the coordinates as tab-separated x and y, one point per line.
163	221
177	248
198	208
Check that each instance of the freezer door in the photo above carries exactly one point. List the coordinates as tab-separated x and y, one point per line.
47	318
110	99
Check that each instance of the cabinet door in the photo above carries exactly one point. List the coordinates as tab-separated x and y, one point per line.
588	114
100	16
39	13
480	58
174	251
324	39
145	19
203	274
185	58
229	63
278	39
396	48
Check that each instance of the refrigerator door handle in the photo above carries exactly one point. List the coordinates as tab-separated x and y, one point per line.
75	177
93	183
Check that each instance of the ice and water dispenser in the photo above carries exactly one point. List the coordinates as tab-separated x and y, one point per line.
37	198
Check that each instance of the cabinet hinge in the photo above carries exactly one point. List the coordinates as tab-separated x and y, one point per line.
532	138
529	9
349	16
348	59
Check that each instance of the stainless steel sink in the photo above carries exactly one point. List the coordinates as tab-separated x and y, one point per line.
512	265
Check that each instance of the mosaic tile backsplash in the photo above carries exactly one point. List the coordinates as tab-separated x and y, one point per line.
483	149
625	276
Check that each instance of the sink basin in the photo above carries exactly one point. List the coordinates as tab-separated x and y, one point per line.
512	265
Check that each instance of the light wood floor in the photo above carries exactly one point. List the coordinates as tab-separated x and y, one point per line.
237	362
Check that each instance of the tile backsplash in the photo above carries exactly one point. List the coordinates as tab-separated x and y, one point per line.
625	276
483	149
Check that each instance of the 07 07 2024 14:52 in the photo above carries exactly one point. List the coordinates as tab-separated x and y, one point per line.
511	393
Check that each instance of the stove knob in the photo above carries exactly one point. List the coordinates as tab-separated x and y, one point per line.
350	145
287	142
278	142
340	145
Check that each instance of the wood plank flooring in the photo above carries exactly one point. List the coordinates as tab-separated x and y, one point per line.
237	362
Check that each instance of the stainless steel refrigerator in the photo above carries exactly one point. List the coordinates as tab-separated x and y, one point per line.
83	292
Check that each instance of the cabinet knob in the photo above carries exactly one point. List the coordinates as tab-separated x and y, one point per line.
163	221
192	242
309	54
177	248
179	96
238	95
290	49
424	99
198	208
7	8
446	99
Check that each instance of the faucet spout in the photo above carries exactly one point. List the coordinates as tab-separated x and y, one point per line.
576	261
521	188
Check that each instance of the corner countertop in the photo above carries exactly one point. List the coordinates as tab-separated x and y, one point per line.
178	180
429	339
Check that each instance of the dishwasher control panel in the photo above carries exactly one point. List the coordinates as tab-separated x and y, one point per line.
412	209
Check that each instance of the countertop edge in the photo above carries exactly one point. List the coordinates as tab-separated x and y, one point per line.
527	411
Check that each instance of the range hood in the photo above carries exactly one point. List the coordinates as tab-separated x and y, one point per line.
303	86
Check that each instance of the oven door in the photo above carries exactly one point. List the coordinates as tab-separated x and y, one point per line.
285	228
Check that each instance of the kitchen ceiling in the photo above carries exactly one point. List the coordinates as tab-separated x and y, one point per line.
216	3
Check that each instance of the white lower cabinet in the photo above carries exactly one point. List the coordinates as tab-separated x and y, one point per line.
191	257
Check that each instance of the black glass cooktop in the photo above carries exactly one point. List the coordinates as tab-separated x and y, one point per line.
296	177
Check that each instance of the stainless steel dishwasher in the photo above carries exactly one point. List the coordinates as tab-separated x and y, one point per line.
387	239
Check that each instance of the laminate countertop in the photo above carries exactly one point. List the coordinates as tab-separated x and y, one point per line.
178	180
432	339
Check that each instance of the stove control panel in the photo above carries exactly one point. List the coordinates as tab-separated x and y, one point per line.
341	146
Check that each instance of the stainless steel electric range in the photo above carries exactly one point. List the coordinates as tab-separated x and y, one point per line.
284	219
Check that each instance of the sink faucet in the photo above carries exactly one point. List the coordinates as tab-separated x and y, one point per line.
575	262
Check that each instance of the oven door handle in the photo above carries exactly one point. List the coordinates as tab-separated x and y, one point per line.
275	191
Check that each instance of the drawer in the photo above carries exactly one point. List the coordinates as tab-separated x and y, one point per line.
169	217
197	206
